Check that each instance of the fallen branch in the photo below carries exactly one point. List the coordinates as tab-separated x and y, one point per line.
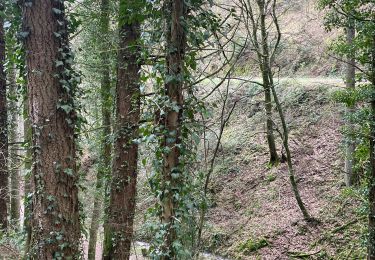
302	254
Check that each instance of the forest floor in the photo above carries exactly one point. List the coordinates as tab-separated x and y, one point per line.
253	213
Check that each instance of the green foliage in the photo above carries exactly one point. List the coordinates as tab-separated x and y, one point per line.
252	245
199	24
359	14
271	177
14	239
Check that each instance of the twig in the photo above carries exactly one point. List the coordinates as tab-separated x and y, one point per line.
302	254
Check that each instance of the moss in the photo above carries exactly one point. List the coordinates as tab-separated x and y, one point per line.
271	177
252	245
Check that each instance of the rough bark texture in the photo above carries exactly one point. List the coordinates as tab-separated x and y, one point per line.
176	45
14	166
106	146
55	215
119	232
350	176
3	133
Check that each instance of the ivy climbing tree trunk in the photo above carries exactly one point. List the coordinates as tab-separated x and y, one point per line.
350	176
119	231
51	87
14	165
106	147
3	132
176	11
28	188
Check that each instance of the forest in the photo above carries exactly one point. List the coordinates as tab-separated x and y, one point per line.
187	129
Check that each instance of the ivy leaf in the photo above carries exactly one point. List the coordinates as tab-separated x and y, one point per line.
66	108
56	11
59	63
144	162
68	171
7	24
23	34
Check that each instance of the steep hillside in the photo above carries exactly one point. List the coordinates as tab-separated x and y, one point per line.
254	214
304	43
252	211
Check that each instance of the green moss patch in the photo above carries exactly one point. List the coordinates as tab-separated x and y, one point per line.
252	245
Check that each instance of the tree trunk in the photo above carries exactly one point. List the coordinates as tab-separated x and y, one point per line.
104	167
350	176
51	87
274	158
265	68
176	47
27	180
3	133
118	235
292	177
94	227
14	152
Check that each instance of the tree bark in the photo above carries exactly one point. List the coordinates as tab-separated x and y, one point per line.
350	176
119	232
55	216
3	132
176	47
94	227
265	67
27	180
106	147
14	153
285	135
292	177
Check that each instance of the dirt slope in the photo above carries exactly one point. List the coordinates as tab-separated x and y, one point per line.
254	214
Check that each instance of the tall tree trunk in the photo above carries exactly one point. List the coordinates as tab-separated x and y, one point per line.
350	176
95	222
106	146
55	215
27	138
3	132
274	158
371	216
176	46
14	167
121	211
265	66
